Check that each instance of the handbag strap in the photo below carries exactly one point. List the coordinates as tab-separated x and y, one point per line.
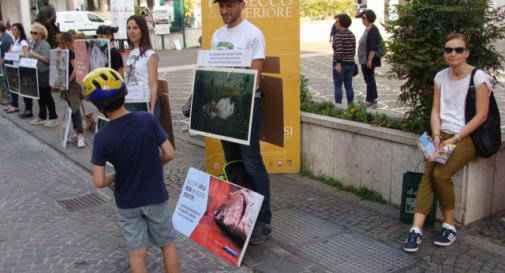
471	87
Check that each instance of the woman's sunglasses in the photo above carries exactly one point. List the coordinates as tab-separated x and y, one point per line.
459	50
33	33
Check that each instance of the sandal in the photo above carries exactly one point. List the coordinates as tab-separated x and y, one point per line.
7	107
12	110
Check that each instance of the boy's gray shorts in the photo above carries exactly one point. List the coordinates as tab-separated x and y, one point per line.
153	222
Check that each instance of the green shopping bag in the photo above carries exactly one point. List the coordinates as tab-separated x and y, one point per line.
411	181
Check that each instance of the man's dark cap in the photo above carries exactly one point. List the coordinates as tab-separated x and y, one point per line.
229	1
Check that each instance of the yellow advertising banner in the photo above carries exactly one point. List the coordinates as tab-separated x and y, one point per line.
279	20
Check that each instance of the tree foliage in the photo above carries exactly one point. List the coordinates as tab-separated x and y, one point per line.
188	12
415	49
325	9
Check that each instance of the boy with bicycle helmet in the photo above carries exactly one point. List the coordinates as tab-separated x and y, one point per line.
131	142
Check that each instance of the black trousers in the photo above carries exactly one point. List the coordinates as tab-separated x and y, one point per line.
371	85
46	103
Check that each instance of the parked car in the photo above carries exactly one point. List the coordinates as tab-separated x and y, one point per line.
360	8
80	21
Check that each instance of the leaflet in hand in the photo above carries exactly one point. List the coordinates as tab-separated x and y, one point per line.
429	150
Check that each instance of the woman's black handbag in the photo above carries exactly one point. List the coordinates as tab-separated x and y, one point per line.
355	72
486	138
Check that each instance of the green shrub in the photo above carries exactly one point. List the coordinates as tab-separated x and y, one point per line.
355	112
325	9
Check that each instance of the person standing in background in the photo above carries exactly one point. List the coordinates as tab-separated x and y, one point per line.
21	47
6	42
47	17
333	30
116	60
73	95
368	56
344	48
142	63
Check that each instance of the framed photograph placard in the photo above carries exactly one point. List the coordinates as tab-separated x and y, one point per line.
65	126
12	75
216	214
58	69
223	103
29	82
89	55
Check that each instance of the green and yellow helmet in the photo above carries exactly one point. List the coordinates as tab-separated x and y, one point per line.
103	86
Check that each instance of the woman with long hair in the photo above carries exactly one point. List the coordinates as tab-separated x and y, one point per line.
142	64
449	127
41	51
116	60
73	94
21	47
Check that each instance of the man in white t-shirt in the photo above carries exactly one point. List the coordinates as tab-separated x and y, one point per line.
238	33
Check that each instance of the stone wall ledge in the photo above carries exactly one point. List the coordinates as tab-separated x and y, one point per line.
362	155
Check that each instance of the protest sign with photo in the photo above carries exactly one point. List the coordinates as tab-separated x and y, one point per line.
222	106
89	55
65	126
12	75
58	69
29	82
217	214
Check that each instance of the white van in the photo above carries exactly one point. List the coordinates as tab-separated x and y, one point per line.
80	21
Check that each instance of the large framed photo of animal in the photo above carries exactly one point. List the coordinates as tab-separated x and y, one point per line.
223	103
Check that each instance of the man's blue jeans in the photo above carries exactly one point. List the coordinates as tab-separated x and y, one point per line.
344	77
253	162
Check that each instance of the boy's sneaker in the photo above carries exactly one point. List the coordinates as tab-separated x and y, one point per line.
38	121
413	241
80	142
261	232
51	123
446	237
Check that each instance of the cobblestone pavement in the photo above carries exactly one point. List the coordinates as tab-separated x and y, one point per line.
39	235
316	227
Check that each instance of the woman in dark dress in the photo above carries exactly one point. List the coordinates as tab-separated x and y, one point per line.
368	54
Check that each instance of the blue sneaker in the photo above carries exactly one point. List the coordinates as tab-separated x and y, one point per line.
446	237
413	241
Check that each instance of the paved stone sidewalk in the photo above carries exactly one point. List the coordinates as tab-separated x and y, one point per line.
316	227
38	235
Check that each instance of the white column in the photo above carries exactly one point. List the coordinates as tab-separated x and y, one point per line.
25	14
378	7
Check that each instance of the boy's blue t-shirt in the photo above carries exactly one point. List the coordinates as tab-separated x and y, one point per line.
131	143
